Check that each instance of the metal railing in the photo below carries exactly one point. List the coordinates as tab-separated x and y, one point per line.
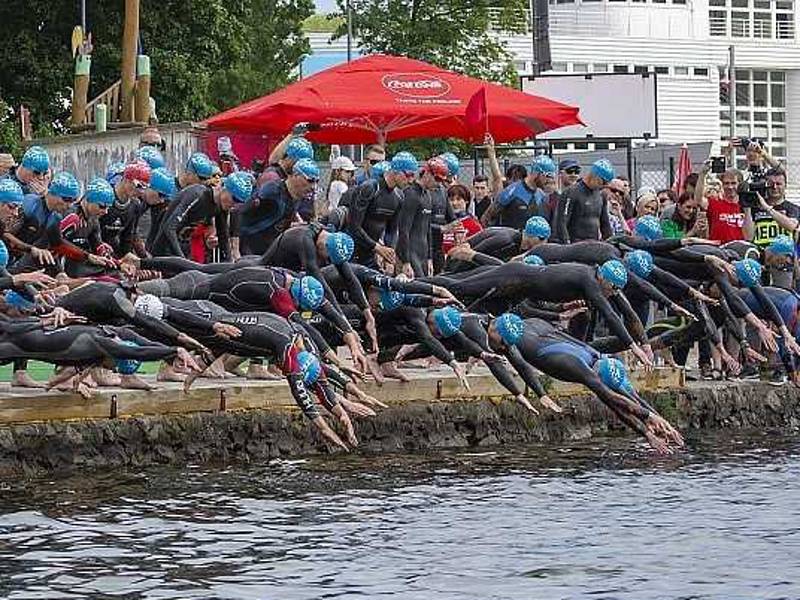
747	28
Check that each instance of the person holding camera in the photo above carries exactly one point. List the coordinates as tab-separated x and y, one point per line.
724	212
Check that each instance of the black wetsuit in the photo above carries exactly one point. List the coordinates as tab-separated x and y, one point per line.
414	229
441	214
194	205
262	335
119	226
296	249
78	236
107	303
583	214
372	214
563	357
265	217
75	345
406	325
500	288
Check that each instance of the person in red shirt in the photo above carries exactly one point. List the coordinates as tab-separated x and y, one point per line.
725	216
459	198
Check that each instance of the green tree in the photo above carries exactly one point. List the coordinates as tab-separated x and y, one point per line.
460	35
197	49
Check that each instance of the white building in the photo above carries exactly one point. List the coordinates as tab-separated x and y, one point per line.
686	43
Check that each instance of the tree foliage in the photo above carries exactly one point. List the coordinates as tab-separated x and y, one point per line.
460	35
206	55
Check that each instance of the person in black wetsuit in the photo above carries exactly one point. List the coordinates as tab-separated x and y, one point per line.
119	226
263	289
201	204
582	209
273	208
78	240
525	198
156	199
472	341
79	346
257	334
414	221
499	288
563	357
304	248
372	210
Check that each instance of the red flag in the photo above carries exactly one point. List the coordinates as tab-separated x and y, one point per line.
683	172
477	115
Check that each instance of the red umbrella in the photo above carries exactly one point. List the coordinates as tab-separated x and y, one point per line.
387	97
684	170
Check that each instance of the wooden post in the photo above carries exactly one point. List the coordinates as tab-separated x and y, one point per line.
130	35
80	91
143	88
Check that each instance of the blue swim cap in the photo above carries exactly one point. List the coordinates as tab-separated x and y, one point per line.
239	185
307	168
748	271
200	165
404	162
391	300
614	273
544	165
452	162
649	228
114	172
151	156
64	185
18	301
128	366
310	369
10	192
99	191
36	159
510	327
381	168
537	227
612	372
640	262
308	292
163	182
340	247
3	254
447	320
299	148
604	170
783	245
532	259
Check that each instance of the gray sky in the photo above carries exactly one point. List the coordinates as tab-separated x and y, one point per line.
325	5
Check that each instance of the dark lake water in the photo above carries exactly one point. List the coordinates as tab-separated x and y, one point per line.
601	519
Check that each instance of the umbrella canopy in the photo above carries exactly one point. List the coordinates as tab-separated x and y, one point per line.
391	98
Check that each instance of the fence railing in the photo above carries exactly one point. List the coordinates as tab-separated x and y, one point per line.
741	27
111	98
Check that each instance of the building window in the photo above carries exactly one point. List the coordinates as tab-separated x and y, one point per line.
620	68
599	68
662	70
640	70
681	71
760	108
580	68
559	67
700	72
757	19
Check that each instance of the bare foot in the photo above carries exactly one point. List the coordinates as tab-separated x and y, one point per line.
391	371
260	372
168	373
134	382
105	378
215	370
22	379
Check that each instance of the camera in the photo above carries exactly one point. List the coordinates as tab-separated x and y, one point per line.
749	191
718	164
